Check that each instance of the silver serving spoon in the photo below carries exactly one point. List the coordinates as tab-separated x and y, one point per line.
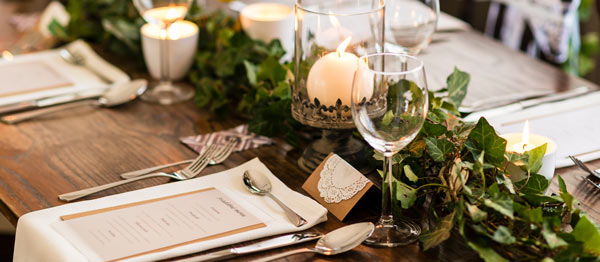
116	95
259	184
335	242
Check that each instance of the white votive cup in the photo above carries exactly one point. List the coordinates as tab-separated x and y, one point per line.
182	41
548	161
269	21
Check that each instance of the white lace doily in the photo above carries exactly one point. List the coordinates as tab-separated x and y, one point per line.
339	180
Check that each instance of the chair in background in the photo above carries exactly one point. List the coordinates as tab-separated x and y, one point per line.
546	29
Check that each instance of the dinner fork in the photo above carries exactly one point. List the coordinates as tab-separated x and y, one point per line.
216	159
188	172
585	168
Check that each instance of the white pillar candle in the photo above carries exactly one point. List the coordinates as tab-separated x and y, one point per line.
330	78
183	40
525	141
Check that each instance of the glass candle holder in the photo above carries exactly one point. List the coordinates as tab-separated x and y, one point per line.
330	36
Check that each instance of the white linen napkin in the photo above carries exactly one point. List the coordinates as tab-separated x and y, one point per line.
37	241
82	78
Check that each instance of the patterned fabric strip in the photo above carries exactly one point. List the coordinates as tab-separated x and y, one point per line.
247	140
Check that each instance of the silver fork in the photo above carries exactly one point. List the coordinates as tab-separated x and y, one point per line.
78	59
188	172
216	159
585	168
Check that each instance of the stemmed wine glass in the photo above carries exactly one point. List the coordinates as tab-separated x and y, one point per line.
163	13
410	24
389	105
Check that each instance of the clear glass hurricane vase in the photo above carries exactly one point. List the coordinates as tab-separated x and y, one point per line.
397	82
163	13
410	25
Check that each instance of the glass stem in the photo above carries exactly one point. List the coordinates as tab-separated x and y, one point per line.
165	73
386	201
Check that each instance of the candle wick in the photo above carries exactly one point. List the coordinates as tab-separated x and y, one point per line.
524	146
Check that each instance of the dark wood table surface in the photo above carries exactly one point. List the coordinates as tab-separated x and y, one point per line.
86	147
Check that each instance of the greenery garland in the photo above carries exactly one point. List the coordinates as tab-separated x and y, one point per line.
457	169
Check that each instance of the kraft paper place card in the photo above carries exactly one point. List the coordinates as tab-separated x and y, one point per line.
337	185
26	77
126	231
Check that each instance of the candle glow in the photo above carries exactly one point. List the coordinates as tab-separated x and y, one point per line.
7	55
525	144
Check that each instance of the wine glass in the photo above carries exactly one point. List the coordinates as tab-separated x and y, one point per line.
410	25
389	105
163	13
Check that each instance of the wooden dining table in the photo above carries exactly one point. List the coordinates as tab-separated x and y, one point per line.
86	147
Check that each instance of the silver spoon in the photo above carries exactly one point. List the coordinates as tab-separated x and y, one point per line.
79	60
116	95
259	184
335	242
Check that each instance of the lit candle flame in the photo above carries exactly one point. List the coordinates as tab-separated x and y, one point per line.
525	137
7	55
172	14
342	47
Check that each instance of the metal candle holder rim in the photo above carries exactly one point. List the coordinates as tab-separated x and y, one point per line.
377	9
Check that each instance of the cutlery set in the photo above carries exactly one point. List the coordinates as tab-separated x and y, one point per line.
118	93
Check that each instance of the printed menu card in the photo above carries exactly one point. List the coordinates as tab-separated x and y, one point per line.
20	78
155	225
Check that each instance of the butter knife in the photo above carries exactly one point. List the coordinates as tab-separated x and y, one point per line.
50	101
281	241
527	104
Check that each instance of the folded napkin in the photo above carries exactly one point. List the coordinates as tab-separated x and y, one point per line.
37	241
247	139
82	78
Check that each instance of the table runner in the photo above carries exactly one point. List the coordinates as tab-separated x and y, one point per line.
37	241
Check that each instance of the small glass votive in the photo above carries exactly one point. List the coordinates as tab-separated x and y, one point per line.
183	41
269	21
514	143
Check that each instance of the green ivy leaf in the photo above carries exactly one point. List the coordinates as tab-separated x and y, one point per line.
431	129
532	215
410	174
486	253
57	30
271	70
440	233
539	199
484	138
537	184
477	215
588	233
405	194
251	71
457	84
417	147
283	91
569	200
439	148
499	201
503	236
535	157
507	182
551	238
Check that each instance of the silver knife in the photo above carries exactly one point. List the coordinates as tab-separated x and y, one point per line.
49	101
527	104
282	241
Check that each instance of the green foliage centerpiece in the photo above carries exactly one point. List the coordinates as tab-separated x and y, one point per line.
457	170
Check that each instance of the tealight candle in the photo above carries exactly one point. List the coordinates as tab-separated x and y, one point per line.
269	21
330	78
525	141
182	39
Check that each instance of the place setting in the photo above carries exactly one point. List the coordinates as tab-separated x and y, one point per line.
291	131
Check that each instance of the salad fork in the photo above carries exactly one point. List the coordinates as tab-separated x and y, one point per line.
585	168
188	172
216	159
